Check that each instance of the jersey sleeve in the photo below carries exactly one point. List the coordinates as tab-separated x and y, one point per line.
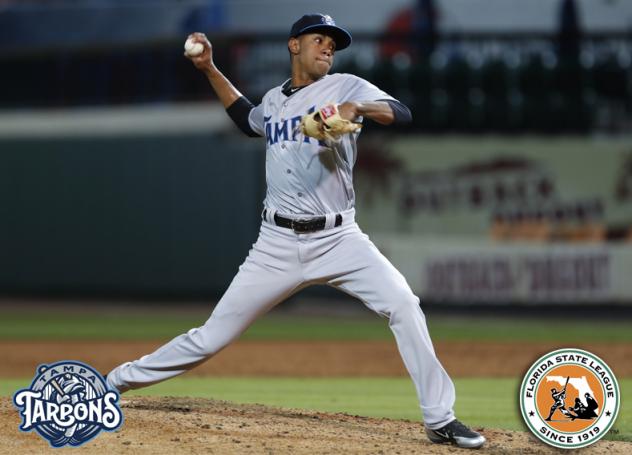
255	119
357	89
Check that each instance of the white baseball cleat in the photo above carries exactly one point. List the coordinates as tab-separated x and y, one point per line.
456	433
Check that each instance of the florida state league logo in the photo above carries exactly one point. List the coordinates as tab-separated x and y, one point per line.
569	398
68	404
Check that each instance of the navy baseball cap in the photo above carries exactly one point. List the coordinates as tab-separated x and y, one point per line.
313	23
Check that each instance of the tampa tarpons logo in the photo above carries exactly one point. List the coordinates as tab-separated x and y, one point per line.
569	398
68	403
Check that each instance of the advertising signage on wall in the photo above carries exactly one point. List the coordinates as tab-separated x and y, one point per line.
494	219
441	269
471	187
535	276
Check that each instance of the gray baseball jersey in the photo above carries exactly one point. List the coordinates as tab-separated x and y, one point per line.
303	175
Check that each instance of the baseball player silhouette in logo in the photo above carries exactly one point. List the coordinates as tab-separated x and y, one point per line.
308	233
558	402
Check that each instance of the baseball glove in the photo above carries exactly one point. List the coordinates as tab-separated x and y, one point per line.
327	124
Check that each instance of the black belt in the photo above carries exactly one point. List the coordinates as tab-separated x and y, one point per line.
303	225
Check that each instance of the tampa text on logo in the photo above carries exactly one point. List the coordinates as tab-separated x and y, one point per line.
68	404
569	398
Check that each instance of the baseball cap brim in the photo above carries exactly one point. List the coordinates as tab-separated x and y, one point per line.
341	37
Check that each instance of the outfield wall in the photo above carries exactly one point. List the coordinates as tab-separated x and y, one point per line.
455	186
432	205
147	216
166	202
462	270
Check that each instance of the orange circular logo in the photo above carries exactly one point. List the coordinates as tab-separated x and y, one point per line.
569	398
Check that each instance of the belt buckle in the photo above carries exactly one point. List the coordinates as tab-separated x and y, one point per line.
299	226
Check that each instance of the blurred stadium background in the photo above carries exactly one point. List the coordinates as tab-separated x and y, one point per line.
122	176
123	181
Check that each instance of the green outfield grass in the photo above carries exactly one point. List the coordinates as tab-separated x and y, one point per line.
491	403
162	324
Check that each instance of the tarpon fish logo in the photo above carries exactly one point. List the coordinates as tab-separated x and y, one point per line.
68	404
569	398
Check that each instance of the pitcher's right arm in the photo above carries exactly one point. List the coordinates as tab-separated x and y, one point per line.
237	105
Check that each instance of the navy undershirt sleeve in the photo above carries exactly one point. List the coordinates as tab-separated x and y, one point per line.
238	112
400	112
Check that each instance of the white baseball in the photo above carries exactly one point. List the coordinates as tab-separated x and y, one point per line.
193	48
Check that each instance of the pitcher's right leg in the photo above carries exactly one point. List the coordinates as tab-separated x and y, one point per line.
269	275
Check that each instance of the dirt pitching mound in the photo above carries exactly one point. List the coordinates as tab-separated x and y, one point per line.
185	425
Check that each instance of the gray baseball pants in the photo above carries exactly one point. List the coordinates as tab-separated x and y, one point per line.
281	263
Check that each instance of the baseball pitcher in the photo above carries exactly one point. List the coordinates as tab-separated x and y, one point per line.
308	233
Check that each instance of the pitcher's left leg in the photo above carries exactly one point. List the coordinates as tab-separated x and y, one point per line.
361	270
355	265
391	296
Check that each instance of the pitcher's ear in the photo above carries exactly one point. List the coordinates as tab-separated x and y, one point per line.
293	46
